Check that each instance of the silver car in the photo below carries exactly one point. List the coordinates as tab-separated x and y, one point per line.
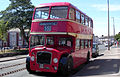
95	50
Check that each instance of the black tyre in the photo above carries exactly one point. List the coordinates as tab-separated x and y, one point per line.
28	65
88	58
28	68
65	69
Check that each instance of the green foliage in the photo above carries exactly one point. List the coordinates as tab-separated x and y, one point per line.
3	30
18	15
117	37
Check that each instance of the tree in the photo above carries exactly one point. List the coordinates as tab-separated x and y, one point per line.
18	15
3	31
117	37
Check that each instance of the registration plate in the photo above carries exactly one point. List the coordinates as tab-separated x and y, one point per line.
41	66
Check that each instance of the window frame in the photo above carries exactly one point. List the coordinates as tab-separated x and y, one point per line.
79	14
74	15
86	21
86	43
41	12
58	18
50	40
82	44
89	44
66	40
77	45
82	19
90	23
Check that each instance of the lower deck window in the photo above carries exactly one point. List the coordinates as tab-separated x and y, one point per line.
50	41
82	44
65	41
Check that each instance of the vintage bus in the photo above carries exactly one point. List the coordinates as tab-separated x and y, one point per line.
60	39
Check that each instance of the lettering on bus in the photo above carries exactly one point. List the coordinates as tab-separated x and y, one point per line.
85	30
48	23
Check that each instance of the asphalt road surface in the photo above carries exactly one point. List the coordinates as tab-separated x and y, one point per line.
105	65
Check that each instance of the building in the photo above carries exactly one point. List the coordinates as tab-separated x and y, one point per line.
104	39
15	38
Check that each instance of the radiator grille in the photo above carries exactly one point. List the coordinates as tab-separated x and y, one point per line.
44	57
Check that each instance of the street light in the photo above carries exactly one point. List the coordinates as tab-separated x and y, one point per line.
113	28
108	27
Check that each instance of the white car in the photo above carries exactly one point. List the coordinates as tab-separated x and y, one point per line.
106	44
95	50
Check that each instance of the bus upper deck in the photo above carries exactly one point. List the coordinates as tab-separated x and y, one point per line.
60	18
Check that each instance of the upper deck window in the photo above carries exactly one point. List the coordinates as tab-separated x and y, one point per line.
72	14
90	23
82	19
77	16
86	21
42	13
59	12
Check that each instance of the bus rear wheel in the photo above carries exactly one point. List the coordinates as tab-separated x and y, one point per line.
88	58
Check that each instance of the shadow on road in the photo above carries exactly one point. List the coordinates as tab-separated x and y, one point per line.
97	67
100	67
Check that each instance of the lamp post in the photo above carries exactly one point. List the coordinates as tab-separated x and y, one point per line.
113	28
108	27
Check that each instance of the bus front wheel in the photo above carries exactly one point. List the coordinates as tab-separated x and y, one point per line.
66	68
28	65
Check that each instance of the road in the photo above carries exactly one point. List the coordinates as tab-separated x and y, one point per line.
107	64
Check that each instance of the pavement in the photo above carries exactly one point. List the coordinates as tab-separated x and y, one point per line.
12	58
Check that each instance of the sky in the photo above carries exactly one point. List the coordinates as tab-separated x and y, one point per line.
96	9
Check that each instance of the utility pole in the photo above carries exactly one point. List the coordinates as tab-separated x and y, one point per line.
108	27
113	28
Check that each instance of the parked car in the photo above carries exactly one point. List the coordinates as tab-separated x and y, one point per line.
95	50
106	44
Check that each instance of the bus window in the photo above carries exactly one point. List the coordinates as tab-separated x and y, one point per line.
42	13
77	16
50	41
65	41
37	40
86	44
59	12
82	19
72	14
82	44
89	43
90	23
86	21
77	44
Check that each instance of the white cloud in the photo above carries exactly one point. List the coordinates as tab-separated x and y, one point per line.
104	7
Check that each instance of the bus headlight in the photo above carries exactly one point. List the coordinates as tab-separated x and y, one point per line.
55	60
32	58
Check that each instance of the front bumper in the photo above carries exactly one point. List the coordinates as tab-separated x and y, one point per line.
43	67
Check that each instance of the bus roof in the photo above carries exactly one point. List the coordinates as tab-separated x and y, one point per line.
54	4
59	4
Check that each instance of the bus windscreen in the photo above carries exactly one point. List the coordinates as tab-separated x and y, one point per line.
59	12
41	13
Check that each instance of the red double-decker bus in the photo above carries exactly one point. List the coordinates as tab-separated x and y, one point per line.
60	38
